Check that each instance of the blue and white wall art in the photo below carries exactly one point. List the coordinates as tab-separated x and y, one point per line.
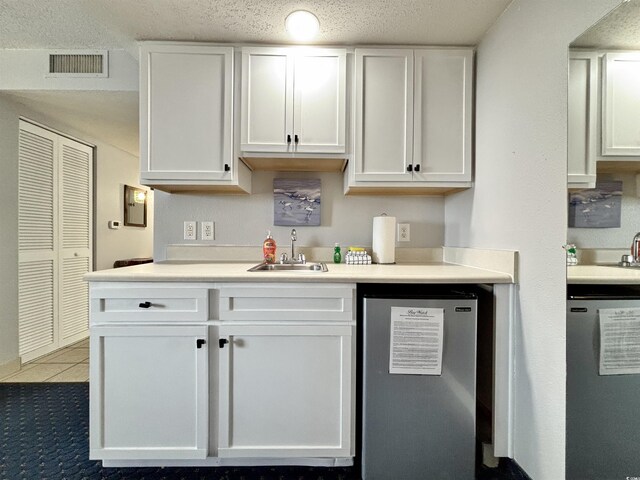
296	201
598	207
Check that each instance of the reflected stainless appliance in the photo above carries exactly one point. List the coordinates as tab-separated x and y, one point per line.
418	426
603	425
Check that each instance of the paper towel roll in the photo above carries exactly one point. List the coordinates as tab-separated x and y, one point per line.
384	241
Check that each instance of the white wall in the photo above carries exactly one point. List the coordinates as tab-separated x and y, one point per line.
115	168
8	236
629	221
244	220
520	202
25	70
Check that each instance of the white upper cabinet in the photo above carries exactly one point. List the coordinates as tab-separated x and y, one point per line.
186	105
293	100
583	101
413	114
443	95
384	114
621	104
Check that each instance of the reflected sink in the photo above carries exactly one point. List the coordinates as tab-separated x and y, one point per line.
289	267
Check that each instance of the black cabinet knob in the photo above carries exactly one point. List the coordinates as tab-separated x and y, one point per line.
222	342
409	168
145	305
295	138
288	138
417	167
227	167
200	342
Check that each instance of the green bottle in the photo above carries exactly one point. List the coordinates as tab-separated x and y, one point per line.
337	256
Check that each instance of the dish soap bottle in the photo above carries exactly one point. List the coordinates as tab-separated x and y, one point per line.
269	249
337	256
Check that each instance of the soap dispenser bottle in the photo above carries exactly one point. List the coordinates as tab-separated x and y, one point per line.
269	249
337	255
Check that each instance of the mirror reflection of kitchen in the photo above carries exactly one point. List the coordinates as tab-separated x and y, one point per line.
603	348
135	207
604	135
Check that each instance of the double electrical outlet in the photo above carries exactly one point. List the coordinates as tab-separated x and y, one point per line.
207	230
404	232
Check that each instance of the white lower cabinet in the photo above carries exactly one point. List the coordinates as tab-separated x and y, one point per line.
149	392
212	374
285	391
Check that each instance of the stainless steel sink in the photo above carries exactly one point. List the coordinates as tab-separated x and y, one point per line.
289	267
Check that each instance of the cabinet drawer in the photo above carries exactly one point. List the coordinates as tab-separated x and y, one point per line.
282	302
149	304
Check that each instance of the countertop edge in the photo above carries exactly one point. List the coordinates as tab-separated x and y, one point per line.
236	272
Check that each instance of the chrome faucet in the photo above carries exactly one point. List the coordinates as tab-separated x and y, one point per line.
635	248
632	260
293	259
294	237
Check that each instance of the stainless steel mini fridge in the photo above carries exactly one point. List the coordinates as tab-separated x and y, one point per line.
419	426
603	426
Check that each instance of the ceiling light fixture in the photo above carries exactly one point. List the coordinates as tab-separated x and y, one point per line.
302	25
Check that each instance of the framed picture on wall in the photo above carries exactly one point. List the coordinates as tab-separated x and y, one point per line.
135	207
296	201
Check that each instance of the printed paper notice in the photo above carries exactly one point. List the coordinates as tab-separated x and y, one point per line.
416	341
619	341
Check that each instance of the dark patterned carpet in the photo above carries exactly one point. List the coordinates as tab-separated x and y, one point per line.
44	435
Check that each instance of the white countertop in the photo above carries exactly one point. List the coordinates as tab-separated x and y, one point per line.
602	274
237	272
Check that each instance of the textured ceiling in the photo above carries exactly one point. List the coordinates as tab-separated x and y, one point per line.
618	30
119	24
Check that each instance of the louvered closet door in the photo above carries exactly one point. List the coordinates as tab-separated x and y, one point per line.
37	259
75	237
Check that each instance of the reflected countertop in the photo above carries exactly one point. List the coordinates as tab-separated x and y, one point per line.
603	274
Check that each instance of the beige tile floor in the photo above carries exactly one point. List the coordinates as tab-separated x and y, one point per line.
69	364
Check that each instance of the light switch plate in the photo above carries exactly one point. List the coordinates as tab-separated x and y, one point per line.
190	230
207	230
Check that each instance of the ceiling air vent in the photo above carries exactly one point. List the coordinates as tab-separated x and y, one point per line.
79	64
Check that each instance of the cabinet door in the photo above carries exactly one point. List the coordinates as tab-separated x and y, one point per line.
621	104
583	102
384	114
186	97
285	391
149	392
267	100
443	114
319	101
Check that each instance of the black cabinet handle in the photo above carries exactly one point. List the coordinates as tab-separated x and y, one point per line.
417	168
288	138
295	138
222	342
145	305
200	342
409	168
227	168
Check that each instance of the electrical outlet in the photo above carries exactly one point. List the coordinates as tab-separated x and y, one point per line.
190	230
404	232
207	230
